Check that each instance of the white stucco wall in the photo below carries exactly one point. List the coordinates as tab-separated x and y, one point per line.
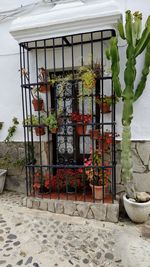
10	93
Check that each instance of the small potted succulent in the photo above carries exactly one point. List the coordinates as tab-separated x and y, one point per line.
38	122
52	123
82	120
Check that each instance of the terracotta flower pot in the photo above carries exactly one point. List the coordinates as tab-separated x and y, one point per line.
81	129
54	130
37	104
44	88
97	190
105	108
39	130
94	134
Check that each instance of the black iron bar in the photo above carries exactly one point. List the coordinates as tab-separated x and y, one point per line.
75	160
39	113
103	133
23	111
67	45
30	110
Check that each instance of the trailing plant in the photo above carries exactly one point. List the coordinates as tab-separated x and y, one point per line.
12	130
88	77
137	43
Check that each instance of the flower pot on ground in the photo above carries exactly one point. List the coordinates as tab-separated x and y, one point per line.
2	179
97	175
137	42
97	191
137	212
38	104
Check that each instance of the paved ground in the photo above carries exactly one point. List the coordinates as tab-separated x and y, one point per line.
42	239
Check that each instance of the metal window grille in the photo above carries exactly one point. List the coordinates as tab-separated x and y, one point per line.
69	153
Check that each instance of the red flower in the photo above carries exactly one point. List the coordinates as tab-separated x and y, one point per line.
77	117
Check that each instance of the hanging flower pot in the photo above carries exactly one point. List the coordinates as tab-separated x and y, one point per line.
38	104
39	130
105	107
44	88
54	130
81	129
94	134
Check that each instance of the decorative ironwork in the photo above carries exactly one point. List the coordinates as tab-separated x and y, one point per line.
70	135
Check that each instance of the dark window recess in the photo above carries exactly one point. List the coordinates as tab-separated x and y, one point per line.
69	117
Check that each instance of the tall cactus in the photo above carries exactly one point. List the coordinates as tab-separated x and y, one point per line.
137	42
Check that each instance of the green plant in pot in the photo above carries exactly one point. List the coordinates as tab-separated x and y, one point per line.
37	101
52	123
105	102
137	43
38	122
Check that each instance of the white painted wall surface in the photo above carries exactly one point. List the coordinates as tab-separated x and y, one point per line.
10	93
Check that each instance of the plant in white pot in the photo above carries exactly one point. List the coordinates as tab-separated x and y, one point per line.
137	204
2	171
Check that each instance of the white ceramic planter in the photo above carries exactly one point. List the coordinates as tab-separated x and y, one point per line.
137	212
2	179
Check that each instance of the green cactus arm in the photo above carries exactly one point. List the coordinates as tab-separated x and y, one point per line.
129	27
142	43
137	25
114	55
121	30
145	72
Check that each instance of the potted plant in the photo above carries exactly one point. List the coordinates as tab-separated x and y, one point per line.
37	101
52	123
68	180
97	176
137	204
82	120
2	171
105	103
43	77
44	182
38	122
88	77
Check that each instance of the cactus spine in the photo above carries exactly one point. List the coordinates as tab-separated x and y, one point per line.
136	44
